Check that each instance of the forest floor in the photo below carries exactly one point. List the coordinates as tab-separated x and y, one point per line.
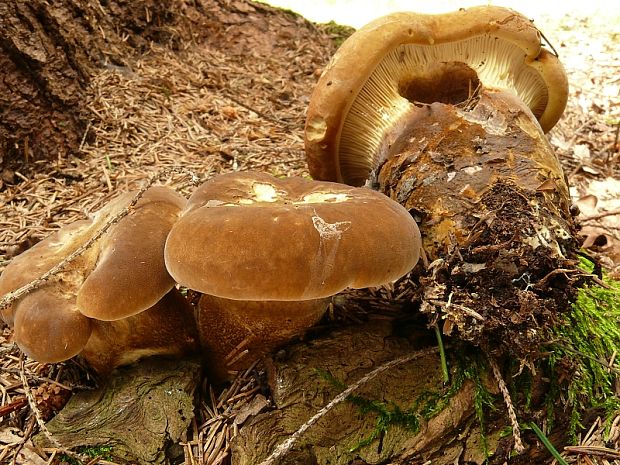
235	99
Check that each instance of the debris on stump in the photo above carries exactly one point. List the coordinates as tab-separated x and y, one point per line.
305	377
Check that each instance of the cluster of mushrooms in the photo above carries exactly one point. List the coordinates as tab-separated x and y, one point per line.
266	253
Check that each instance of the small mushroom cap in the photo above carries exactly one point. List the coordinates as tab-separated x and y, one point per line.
49	328
39	259
250	236
130	275
384	67
122	274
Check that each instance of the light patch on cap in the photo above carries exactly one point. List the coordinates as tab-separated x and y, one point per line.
261	192
316	129
264	192
214	203
324	197
330	230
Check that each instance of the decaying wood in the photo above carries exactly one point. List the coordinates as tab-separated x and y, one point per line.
300	389
139	411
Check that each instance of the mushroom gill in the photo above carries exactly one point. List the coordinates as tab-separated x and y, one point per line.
414	74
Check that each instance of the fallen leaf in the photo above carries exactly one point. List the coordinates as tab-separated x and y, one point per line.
581	152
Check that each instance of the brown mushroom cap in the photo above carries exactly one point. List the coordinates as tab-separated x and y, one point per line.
130	275
39	259
383	68
49	328
250	236
122	274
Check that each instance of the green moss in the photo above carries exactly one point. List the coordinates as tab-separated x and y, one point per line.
337	32
582	347
426	405
388	415
101	452
576	362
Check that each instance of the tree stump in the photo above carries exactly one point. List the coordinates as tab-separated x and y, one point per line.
140	411
300	382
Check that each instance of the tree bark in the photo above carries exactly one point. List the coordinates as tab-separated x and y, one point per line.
48	53
140	412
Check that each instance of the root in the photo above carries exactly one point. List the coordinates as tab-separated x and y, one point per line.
516	431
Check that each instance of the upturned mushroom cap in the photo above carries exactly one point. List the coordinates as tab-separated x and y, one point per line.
250	236
392	65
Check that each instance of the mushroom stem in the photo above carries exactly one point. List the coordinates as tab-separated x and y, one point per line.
445	162
167	328
236	333
493	204
446	114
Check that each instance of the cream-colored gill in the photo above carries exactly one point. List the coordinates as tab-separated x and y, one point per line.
498	63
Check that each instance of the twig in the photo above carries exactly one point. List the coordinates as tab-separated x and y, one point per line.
594	450
286	446
548	42
543	281
16	404
604	363
600	215
11	297
516	431
37	414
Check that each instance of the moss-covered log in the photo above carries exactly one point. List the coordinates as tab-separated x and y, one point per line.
405	413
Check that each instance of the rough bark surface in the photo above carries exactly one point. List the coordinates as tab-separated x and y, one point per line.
140	411
300	388
48	53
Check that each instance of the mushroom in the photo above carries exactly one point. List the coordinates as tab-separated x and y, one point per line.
167	328
433	110
446	114
267	252
120	276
